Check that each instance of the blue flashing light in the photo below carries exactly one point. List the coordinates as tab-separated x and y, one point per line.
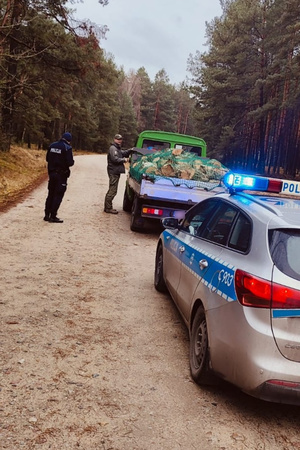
238	182
228	179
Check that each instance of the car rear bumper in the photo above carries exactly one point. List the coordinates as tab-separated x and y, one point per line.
250	358
279	391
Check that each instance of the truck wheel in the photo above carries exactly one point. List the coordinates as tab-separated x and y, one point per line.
136	221
159	282
199	351
127	202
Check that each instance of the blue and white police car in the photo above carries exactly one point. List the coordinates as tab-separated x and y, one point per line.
232	267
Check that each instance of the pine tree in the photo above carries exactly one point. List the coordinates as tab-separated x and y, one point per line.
164	94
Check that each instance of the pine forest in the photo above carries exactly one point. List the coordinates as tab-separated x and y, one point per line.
242	95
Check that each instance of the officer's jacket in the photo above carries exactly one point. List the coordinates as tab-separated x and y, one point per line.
59	157
115	159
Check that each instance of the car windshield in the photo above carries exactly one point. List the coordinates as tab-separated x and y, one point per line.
285	250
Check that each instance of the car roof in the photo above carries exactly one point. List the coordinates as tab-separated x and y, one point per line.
276	210
272	200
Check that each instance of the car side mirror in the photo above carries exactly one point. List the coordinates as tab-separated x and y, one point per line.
170	223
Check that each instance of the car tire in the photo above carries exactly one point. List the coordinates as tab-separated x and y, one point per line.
199	351
159	282
136	221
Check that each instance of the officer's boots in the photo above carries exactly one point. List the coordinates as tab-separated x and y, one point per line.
47	216
55	219
52	218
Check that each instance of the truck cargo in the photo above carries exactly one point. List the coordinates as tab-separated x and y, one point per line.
165	183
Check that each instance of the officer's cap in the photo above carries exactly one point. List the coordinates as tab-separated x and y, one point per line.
67	137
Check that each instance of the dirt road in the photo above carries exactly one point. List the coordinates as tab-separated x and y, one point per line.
91	356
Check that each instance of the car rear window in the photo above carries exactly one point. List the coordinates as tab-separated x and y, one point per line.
285	251
241	235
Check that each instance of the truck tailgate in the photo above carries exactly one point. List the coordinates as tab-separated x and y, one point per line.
175	189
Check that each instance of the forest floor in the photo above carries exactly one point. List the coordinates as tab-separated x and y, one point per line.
21	170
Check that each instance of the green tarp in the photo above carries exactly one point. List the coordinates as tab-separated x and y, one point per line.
176	163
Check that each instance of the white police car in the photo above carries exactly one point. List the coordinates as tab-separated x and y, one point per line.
232	266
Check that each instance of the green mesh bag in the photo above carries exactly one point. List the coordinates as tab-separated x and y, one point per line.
177	163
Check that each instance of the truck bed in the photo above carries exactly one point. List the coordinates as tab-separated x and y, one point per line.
174	189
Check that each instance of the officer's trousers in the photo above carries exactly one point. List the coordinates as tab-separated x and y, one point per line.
57	187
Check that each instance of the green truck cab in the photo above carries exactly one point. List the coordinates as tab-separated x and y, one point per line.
162	196
161	140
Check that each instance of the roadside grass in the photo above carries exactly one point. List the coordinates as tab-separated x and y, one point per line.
21	170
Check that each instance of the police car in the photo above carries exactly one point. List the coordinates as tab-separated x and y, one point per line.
232	267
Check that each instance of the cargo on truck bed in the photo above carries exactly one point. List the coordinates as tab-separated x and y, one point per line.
167	183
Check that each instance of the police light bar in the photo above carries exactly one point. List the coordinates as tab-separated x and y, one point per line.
238	182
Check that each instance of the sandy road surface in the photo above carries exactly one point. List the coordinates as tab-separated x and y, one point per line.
91	356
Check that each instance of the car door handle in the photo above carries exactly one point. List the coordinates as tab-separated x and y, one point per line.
203	264
181	249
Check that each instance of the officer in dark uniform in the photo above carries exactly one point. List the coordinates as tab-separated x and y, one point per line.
115	166
59	158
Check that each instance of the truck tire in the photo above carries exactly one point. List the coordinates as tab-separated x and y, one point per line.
127	201
136	221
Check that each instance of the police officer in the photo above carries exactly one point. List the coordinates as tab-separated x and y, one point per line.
115	166
59	158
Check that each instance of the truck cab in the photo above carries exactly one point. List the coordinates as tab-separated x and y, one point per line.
162	140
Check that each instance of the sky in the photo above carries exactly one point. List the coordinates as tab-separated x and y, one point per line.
154	34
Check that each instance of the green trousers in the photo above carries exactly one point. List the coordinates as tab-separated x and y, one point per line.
112	191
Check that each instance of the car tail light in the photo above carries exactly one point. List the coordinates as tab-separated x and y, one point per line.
153	211
260	293
285	297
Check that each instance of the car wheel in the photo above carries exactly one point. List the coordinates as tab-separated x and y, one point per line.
136	221
199	351
159	282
